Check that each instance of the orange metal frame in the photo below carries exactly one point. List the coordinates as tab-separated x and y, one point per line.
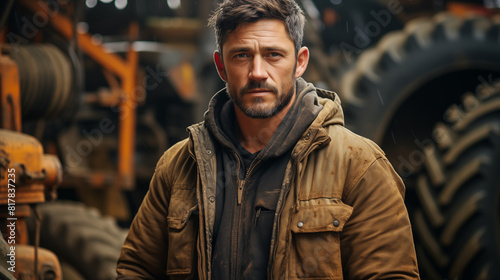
124	69
463	9
10	95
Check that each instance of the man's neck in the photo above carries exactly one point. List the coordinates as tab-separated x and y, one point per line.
254	133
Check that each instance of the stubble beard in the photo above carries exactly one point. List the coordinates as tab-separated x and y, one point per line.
257	109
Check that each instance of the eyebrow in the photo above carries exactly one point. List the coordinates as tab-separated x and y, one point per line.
246	49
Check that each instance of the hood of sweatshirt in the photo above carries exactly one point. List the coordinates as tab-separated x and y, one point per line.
221	121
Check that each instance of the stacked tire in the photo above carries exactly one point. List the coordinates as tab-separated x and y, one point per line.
81	237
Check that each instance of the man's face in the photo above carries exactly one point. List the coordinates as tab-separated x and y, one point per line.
259	67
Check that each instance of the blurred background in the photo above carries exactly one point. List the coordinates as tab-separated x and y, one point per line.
92	92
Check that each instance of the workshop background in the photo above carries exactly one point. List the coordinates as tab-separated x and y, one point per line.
92	92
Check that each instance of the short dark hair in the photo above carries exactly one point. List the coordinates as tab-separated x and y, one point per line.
231	13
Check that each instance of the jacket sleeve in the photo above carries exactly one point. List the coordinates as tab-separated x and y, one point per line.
377	241
144	253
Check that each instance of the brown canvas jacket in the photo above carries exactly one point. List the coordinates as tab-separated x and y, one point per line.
340	214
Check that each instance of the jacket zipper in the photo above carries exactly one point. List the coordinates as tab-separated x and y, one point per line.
235	224
240	190
241	183
237	217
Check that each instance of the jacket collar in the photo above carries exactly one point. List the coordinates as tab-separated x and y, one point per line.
220	120
327	102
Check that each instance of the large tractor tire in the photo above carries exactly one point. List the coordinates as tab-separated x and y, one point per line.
456	219
81	237
414	74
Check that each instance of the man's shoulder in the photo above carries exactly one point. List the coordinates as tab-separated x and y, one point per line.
177	152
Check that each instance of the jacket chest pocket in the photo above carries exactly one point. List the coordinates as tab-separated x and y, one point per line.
182	220
315	241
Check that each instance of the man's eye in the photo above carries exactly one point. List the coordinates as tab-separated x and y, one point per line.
274	54
241	55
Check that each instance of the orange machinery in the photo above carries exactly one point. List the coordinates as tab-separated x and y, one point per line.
27	175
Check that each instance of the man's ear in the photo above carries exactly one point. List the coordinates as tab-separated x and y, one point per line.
220	66
302	61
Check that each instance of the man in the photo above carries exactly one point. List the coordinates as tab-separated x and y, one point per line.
271	185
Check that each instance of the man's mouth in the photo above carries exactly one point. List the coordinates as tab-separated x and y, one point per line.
259	90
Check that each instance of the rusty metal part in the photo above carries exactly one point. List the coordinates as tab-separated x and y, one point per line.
47	268
46	80
24	172
53	171
10	116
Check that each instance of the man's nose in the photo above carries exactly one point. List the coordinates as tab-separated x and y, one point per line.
258	69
